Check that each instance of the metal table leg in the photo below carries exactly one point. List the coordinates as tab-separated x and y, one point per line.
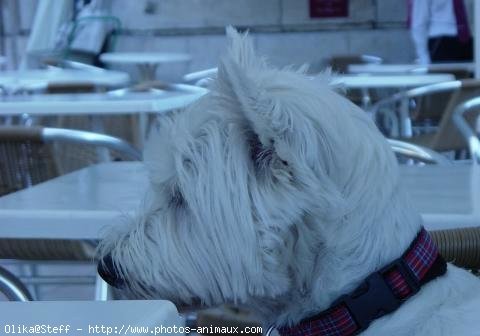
103	292
405	121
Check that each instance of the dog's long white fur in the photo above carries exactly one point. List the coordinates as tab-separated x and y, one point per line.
275	192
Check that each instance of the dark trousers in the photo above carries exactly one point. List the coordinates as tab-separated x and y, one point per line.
449	49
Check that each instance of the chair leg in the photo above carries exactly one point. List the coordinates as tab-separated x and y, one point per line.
12	287
103	292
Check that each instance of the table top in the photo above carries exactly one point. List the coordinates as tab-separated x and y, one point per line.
116	315
40	78
177	96
144	57
446	196
79	205
365	81
407	68
85	200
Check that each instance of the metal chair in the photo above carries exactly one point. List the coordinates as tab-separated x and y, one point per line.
31	155
200	78
463	126
416	153
401	102
12	287
446	137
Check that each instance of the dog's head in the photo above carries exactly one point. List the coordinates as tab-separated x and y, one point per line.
252	189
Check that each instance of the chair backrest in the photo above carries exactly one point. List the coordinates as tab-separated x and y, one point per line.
200	78
24	159
415	93
432	107
469	133
448	136
417	153
30	155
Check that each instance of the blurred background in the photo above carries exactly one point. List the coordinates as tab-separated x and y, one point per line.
288	31
82	82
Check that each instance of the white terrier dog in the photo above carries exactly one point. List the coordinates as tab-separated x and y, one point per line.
274	192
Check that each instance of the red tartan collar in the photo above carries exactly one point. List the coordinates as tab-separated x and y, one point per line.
381	293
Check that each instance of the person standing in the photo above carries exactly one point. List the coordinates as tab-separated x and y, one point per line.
440	31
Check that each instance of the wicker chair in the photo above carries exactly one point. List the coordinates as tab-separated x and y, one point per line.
459	246
31	155
37	154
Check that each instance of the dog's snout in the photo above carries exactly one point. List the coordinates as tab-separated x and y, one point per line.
106	269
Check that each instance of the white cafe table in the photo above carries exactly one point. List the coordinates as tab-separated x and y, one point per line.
385	69
74	206
446	196
78	318
366	81
81	204
38	79
147	62
176	96
101	104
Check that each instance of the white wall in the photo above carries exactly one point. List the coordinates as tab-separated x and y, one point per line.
281	29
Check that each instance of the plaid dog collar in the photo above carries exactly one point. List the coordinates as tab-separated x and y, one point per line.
380	294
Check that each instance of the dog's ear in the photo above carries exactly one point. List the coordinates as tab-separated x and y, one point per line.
237	78
264	97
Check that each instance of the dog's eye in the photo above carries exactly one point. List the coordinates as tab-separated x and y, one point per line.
176	199
262	157
259	154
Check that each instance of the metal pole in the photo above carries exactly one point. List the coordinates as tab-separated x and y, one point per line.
13	31
476	41
103	292
2	28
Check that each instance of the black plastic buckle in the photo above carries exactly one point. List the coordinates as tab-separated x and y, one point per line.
374	298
